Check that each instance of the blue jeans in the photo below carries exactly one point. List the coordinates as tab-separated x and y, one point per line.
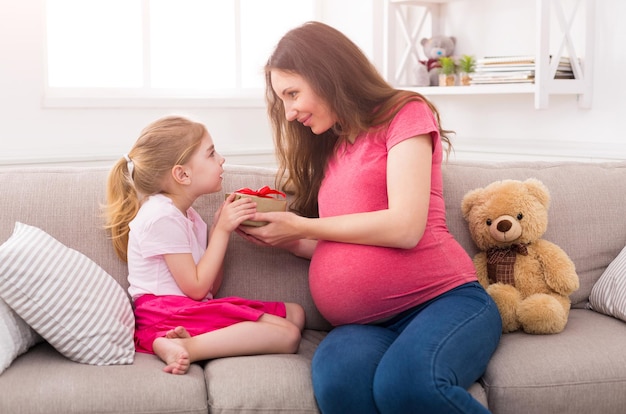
421	361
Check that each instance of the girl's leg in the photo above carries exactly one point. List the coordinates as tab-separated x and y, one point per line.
173	354
269	335
344	365
442	349
295	314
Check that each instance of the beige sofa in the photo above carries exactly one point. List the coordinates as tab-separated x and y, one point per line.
581	370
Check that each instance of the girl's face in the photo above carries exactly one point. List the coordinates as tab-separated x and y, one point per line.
301	103
205	168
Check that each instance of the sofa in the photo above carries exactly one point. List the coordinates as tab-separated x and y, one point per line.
580	370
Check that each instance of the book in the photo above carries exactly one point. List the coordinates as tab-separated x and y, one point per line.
514	69
519	60
499	81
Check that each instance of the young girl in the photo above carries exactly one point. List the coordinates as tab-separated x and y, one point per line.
174	273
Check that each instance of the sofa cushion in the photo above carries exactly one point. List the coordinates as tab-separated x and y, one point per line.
264	383
272	383
585	219
608	295
44	381
68	299
16	336
65	202
580	370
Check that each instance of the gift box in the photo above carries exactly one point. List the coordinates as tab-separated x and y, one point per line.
266	199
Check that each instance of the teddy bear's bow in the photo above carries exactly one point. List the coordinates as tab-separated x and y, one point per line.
501	262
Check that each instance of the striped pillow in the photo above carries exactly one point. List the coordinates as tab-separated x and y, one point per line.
16	337
67	298
608	295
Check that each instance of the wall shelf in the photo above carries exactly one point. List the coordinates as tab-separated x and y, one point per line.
404	52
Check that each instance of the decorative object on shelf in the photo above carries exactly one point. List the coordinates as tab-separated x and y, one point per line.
467	65
435	48
447	76
516	69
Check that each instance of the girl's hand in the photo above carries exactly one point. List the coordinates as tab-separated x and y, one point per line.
233	213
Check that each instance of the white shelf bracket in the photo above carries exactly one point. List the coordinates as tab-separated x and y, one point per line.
546	67
412	20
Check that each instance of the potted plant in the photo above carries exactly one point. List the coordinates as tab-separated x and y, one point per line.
467	65
448	69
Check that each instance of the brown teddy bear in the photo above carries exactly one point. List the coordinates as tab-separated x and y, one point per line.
529	278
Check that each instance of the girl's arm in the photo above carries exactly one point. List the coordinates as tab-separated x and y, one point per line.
196	281
401	225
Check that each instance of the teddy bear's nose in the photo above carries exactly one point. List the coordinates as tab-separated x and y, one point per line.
504	226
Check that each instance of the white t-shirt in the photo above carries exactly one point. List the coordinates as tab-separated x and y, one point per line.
161	228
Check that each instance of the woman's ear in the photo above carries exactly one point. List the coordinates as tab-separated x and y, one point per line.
179	173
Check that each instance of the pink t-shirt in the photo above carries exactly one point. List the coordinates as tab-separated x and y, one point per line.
353	283
161	228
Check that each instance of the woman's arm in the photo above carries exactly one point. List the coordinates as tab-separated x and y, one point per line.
401	225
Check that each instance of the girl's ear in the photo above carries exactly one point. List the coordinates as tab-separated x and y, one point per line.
180	175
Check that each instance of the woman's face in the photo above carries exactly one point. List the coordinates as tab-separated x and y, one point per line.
301	103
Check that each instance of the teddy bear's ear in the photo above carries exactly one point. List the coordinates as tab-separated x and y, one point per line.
538	190
424	41
470	199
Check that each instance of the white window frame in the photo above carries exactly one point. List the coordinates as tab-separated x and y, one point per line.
147	97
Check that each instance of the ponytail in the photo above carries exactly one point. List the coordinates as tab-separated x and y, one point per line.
122	205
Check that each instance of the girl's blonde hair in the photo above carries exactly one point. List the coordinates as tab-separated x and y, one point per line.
341	75
163	144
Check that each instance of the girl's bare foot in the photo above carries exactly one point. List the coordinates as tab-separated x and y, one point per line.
178	332
173	353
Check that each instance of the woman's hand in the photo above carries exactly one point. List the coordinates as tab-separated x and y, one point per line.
281	231
282	228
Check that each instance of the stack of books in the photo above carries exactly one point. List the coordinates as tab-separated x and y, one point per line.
513	69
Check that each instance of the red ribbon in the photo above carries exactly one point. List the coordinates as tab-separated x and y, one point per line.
264	192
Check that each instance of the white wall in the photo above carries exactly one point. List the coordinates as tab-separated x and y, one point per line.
488	127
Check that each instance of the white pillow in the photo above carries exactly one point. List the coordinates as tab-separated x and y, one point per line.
608	295
67	298
15	336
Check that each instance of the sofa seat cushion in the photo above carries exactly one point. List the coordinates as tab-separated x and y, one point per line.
580	370
272	383
43	381
264	383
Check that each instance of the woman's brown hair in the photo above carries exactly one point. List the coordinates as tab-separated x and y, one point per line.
163	144
340	74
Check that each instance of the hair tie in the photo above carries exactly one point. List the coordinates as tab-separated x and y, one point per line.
130	165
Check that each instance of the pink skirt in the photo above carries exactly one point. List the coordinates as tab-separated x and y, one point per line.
156	315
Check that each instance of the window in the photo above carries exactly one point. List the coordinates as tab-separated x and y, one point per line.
164	48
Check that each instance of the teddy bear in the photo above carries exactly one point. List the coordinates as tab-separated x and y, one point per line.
529	278
436	47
